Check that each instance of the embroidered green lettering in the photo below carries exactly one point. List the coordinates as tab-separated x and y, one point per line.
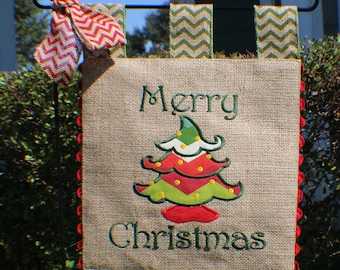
184	241
112	231
152	97
234	110
197	237
240	241
171	237
176	103
181	102
194	97
217	240
127	235
155	240
210	98
136	233
259	243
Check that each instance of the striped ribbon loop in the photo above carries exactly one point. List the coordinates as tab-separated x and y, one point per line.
73	26
191	31
277	32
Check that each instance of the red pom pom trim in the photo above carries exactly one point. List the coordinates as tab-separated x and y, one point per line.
79	156
80	175
301	176
302	86
79	121
80	228
79	193
297	249
302	122
302	104
79	138
302	141
300	195
79	210
297	266
80	263
298	231
299	214
80	245
300	159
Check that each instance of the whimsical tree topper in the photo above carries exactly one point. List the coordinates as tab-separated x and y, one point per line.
188	176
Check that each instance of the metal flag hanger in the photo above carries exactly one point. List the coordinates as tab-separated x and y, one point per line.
300	9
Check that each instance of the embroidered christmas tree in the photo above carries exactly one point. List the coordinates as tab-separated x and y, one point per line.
188	176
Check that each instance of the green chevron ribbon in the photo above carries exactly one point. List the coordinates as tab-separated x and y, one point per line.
117	11
277	32
191	31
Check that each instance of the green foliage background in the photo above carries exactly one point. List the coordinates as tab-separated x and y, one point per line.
29	212
320	238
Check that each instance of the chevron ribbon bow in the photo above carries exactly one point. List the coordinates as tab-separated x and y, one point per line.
73	26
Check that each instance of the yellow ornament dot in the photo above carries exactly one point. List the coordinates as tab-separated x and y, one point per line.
231	190
180	162
212	181
183	146
158	164
151	183
161	194
177	182
178	133
200	169
196	195
197	138
208	156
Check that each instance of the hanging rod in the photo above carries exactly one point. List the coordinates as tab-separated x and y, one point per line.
308	9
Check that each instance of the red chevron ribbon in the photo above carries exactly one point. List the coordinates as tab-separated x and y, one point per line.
73	25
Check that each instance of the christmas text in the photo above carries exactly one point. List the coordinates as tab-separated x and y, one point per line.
129	235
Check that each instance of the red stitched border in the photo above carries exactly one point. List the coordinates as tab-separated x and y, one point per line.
301	176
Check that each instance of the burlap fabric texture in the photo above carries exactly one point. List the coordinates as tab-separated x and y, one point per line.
143	118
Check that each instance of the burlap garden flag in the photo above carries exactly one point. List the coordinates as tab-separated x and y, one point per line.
190	163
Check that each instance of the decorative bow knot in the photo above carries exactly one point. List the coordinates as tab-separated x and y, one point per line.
75	25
